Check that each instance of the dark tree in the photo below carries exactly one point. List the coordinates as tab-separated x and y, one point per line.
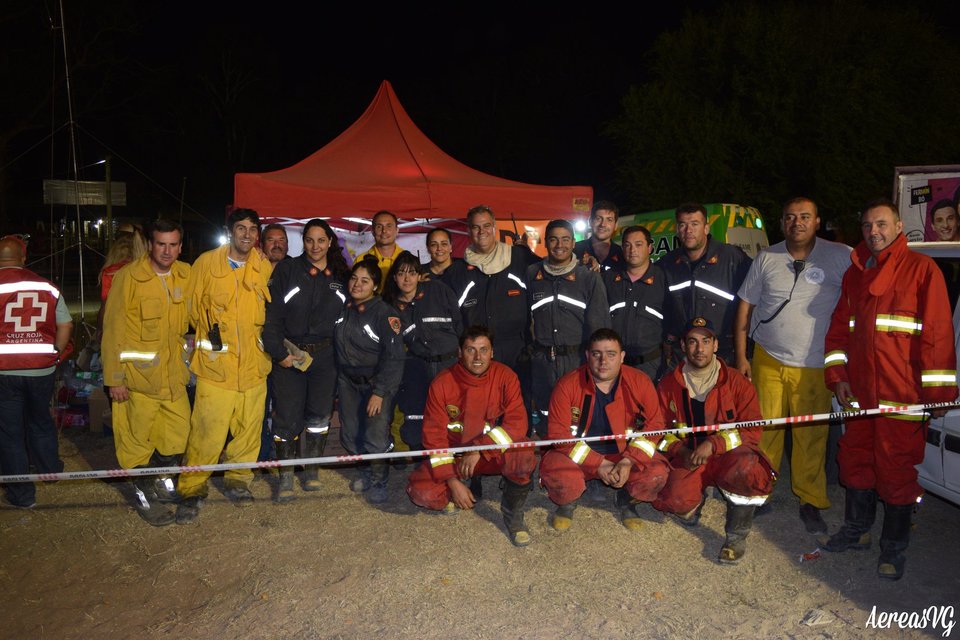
757	102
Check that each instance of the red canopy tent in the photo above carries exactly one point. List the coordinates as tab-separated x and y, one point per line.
383	161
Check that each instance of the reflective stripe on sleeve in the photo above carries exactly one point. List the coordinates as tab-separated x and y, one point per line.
440	459
410	328
501	437
938	378
579	452
834	358
619	305
342	297
644	445
436	319
456	427
680	285
732	438
367	330
668	439
290	294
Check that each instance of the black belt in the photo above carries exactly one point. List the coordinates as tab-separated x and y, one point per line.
553	352
313	347
439	358
361	380
649	356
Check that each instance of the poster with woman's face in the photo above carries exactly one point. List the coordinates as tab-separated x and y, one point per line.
942	221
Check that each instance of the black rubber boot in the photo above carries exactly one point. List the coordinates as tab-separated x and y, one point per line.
737	528
859	513
511	506
476	486
165	486
313	448
286	450
379	474
894	540
146	503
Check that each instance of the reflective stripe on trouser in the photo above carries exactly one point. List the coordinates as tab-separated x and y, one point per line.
795	391
218	412
881	453
741	472
142	425
565	480
516	465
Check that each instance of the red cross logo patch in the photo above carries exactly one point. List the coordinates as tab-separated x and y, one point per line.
26	312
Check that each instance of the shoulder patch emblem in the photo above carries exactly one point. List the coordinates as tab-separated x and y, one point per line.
394	324
313	271
572	276
615	258
453	410
575	414
539	275
421	294
712	260
648	280
617	279
513	292
470	267
327	272
673	407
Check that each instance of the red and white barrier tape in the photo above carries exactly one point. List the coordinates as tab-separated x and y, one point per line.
330	460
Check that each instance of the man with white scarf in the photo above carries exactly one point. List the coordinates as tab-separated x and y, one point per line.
490	287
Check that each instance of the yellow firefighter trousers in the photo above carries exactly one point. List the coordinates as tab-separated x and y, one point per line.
142	425
795	391
217	412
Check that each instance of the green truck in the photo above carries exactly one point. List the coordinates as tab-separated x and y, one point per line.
731	223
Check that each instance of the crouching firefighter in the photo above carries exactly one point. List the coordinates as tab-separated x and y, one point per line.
475	402
702	391
604	398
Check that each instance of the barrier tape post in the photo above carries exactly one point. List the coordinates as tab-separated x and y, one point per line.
331	460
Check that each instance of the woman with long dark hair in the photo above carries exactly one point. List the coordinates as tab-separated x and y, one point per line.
307	298
432	325
370	365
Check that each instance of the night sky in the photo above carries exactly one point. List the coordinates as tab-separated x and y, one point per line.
200	90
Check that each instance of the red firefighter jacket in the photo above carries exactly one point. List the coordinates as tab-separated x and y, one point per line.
464	409
635	408
893	330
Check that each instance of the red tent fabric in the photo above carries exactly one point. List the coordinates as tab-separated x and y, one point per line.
383	161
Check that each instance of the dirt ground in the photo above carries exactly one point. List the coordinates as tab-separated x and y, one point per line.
329	565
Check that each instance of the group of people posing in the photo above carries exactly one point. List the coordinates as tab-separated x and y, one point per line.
500	348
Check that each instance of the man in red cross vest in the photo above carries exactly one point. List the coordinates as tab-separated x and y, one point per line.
35	327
